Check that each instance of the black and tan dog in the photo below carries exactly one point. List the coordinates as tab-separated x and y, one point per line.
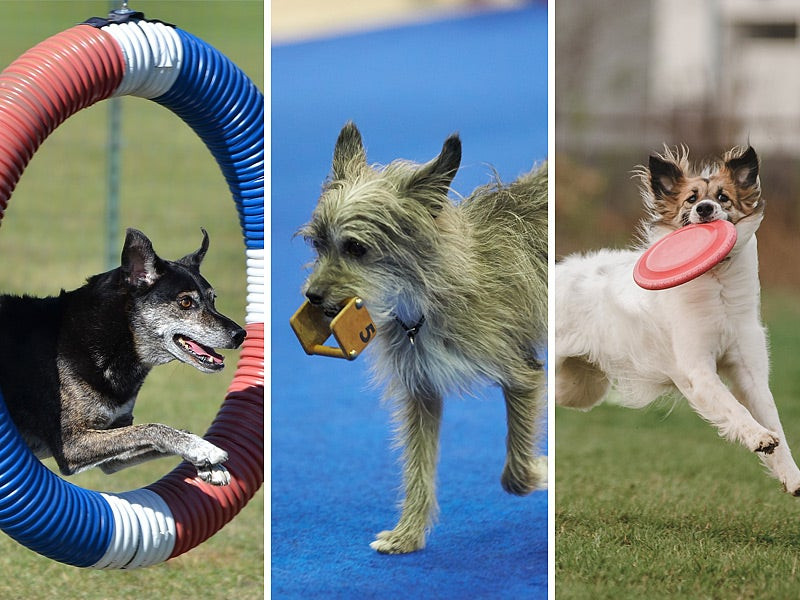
71	366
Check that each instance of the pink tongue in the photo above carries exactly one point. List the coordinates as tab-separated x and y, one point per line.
198	349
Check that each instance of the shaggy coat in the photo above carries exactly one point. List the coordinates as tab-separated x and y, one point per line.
458	293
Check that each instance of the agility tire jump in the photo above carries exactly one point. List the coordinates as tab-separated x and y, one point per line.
128	55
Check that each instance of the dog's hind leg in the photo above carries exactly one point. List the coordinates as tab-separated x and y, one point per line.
522	472
419	417
579	384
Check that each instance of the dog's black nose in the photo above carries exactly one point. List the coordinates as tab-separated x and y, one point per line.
314	297
238	337
705	209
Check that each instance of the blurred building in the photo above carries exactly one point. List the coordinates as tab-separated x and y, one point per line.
708	73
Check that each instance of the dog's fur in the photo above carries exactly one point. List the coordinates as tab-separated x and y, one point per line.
72	365
692	338
457	293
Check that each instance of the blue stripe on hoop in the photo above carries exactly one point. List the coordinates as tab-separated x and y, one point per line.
226	110
45	513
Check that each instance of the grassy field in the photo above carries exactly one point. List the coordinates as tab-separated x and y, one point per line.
653	504
52	237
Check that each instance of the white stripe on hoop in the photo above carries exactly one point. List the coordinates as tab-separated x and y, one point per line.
144	531
256	288
153	57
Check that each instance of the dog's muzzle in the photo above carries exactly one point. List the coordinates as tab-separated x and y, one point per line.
706	211
316	298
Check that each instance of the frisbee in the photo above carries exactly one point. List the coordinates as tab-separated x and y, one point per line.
684	254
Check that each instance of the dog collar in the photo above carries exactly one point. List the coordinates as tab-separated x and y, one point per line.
411	332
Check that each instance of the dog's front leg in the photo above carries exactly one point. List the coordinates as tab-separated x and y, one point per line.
118	464
121	447
419	416
713	401
522	472
215	474
759	401
749	373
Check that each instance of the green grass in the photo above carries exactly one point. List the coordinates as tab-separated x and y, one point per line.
654	504
52	237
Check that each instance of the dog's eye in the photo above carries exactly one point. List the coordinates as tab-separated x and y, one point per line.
315	243
354	248
692	199
723	197
185	302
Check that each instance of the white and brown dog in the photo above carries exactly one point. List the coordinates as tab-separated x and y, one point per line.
610	332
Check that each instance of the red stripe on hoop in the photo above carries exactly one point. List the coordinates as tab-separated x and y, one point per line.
199	509
49	83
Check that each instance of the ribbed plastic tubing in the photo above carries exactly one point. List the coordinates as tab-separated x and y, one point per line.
42	88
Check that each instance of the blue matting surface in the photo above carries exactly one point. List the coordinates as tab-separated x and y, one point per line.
335	476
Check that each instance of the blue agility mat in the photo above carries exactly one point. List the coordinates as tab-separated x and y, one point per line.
335	477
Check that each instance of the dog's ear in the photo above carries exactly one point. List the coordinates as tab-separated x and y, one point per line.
664	176
194	259
744	168
141	267
349	151
432	181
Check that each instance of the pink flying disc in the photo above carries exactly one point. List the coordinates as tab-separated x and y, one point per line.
684	254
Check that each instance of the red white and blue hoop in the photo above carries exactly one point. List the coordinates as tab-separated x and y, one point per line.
128	55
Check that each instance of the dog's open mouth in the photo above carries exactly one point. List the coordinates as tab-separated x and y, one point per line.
197	352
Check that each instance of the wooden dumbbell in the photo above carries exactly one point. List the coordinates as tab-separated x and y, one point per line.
352	328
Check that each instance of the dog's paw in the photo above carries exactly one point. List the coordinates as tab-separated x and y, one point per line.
214	474
522	477
392	542
206	457
203	453
766	443
792	488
